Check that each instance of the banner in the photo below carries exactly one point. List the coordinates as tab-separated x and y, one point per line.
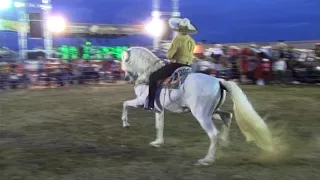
104	29
6	25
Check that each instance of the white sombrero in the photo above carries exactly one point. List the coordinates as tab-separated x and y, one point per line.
234	47
218	46
182	25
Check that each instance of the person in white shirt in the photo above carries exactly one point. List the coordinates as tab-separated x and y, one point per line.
279	67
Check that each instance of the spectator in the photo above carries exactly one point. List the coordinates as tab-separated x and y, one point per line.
263	68
252	66
244	65
41	64
218	68
234	60
63	75
317	50
4	75
226	69
279	68
26	80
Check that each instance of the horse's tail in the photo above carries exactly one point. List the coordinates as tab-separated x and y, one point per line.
251	124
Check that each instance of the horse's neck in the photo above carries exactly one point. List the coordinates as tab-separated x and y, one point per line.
144	75
143	62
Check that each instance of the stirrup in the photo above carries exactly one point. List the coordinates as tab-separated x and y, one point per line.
152	110
146	103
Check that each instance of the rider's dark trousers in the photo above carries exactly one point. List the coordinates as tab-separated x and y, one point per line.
158	75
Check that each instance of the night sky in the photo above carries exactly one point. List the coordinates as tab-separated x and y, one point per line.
217	20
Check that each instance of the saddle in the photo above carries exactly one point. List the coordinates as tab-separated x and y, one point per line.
177	78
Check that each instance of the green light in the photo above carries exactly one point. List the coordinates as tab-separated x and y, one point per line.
118	56
86	53
71	53
64	52
105	49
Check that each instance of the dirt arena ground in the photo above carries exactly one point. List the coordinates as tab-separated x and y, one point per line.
69	134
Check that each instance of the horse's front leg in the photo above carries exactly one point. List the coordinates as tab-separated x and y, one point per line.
159	127
126	104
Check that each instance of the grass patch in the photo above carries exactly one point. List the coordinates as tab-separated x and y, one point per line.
77	134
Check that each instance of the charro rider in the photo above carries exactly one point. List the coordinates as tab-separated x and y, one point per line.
180	54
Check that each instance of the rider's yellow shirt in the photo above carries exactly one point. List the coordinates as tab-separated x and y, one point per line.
181	49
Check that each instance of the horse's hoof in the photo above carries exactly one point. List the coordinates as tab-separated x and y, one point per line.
204	162
126	125
228	119
224	143
156	143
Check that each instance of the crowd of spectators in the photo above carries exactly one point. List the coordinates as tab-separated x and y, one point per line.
281	64
55	72
266	65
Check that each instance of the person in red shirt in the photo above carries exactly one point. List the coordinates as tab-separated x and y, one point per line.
264	72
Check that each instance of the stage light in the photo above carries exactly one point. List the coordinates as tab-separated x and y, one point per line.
155	27
5	4
56	24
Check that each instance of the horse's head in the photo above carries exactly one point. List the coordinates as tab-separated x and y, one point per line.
139	60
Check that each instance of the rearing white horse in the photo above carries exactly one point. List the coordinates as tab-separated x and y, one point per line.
200	94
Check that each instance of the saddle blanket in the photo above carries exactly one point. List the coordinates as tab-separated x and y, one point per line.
177	78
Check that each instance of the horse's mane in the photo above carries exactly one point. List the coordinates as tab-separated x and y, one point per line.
144	51
142	60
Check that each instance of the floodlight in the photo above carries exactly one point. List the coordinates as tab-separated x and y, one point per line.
56	24
155	27
156	14
5	4
19	4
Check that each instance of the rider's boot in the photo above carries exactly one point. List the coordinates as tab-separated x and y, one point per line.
149	106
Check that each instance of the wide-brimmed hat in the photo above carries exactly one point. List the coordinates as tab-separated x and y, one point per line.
182	25
215	51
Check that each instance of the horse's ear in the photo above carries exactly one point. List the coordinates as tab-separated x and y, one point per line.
125	56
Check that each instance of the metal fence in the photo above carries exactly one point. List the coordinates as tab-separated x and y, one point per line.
21	81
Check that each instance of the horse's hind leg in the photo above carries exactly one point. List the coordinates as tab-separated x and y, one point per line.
207	124
226	118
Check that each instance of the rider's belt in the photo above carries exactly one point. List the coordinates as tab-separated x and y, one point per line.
184	63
